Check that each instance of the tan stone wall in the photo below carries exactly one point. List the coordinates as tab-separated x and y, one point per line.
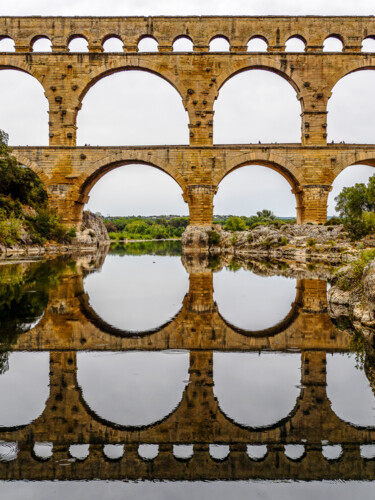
310	167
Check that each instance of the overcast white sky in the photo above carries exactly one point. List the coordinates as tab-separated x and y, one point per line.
271	112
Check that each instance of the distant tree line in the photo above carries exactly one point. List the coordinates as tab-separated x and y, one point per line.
145	228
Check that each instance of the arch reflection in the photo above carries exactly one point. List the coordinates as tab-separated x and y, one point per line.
149	385
357	405
256	390
252	303
137	294
24	388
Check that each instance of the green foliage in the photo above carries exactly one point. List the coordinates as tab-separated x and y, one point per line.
235	224
234	266
356	206
213	238
24	203
266	243
284	241
10	231
18	182
358	346
234	239
333	221
311	242
46	225
23	299
145	228
350	279
147	247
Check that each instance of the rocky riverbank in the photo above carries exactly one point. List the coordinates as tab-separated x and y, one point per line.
292	242
91	236
351	299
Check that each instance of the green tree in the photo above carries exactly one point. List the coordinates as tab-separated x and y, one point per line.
266	215
356	206
18	183
235	224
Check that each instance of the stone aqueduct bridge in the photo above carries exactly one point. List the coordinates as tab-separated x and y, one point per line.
66	328
69	172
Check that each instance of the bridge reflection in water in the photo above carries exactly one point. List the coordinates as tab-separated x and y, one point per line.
196	437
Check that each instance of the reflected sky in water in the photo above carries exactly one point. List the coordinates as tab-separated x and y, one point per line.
218	490
138	293
24	388
133	388
256	390
140	387
253	302
349	390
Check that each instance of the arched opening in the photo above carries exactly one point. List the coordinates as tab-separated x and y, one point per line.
23	109
266	386
7	44
219	44
136	295
24	388
113	44
349	391
252	188
350	176
368	44
148	44
257	106
42	44
151	387
134	108
257	44
332	44
295	44
183	44
78	44
253	303
351	109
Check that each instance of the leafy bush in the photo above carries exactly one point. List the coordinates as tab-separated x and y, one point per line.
284	241
333	221
266	243
46	225
356	206
213	238
10	231
311	242
235	224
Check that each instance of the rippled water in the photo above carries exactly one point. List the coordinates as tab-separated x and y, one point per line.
145	367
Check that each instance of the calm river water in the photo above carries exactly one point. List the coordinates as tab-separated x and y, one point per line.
143	374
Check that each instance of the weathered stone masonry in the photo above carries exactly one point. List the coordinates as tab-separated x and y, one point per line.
69	172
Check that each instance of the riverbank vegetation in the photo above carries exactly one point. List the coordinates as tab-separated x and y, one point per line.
25	216
171	226
145	228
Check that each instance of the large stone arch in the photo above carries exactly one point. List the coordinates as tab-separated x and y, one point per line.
270	160
97	170
357	158
150	67
263	63
38	170
17	64
353	66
